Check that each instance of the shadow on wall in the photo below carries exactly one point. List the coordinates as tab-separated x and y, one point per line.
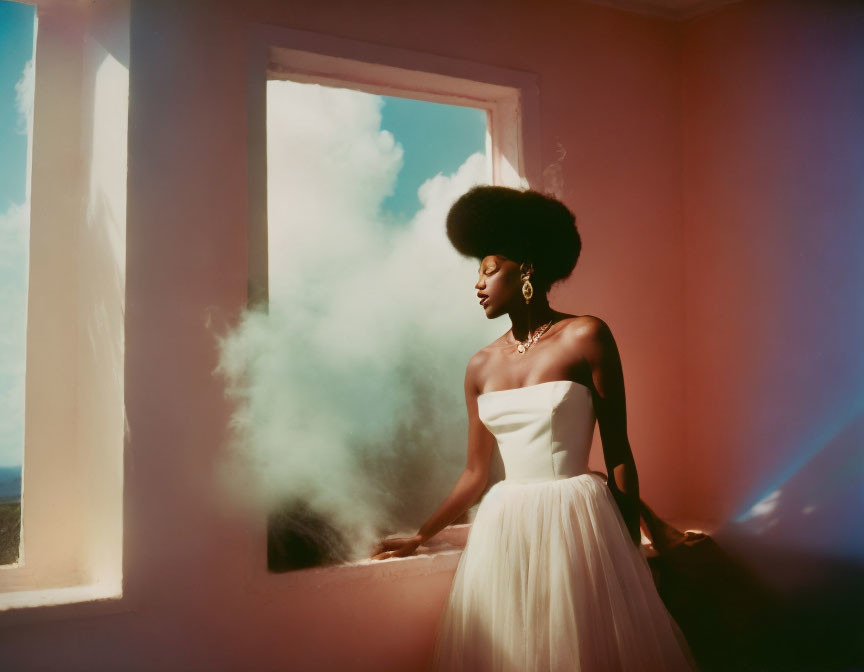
734	620
781	588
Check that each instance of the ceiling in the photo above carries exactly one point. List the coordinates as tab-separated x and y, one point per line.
678	10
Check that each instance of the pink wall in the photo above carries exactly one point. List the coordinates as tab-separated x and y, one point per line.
774	372
611	93
773	214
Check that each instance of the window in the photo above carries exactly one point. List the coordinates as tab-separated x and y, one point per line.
17	28
356	379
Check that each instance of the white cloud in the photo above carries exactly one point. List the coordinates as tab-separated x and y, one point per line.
353	381
24	89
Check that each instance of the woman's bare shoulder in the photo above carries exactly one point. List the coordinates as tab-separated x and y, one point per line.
474	371
480	359
585	325
484	360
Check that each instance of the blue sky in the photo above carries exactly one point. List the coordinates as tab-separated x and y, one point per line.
436	138
16	48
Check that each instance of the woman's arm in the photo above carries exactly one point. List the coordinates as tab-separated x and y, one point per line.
475	476
601	353
469	486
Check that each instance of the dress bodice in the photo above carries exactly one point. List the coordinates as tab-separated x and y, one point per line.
544	431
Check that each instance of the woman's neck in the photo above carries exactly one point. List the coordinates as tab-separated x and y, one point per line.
529	317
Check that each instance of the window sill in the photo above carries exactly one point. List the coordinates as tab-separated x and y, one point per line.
28	606
440	556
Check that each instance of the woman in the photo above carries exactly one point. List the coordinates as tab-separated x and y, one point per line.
552	576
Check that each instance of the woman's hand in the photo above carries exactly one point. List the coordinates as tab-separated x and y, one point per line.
396	548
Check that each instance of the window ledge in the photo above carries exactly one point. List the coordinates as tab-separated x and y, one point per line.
441	555
36	605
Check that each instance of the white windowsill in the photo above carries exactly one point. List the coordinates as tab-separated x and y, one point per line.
34	606
50	597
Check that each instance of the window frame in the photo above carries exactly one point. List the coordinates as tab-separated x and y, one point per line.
511	101
71	549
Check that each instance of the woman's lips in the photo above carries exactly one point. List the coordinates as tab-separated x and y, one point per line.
484	301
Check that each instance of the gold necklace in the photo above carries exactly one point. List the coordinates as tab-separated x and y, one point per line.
523	347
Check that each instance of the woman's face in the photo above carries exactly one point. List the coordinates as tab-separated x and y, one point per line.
500	282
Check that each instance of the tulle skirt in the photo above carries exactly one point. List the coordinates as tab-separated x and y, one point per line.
550	580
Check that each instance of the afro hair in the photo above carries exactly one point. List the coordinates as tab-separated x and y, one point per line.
521	225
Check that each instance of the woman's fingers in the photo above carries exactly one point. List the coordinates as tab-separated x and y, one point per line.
390	544
386	548
393	548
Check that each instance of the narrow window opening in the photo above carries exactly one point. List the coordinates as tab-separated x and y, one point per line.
17	34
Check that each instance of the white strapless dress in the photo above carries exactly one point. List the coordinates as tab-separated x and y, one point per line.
550	579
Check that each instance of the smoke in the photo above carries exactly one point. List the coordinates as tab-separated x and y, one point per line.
349	390
553	173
